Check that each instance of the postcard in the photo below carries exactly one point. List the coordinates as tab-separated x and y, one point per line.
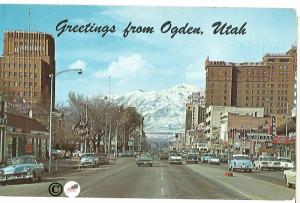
150	102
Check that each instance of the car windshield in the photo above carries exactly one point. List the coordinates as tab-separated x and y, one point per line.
285	160
268	158
88	155
22	160
176	154
207	154
192	155
241	157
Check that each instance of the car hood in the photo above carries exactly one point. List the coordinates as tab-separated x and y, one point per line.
19	168
214	159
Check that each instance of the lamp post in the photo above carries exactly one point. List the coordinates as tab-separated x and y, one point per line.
52	75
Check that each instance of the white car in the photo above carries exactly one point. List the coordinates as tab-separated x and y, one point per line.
175	158
290	177
267	162
213	159
286	163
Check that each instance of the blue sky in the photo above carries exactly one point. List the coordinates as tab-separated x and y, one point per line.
144	61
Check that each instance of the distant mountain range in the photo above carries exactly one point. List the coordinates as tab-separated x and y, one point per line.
163	110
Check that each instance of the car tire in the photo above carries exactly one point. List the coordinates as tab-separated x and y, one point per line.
40	178
250	170
151	165
139	165
33	178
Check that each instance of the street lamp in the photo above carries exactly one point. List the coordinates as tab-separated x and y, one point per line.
52	75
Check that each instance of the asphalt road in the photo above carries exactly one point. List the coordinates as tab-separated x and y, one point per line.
123	179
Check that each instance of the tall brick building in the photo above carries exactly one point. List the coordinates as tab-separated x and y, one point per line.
268	84
28	59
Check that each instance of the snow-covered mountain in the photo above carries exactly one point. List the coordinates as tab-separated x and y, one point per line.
163	110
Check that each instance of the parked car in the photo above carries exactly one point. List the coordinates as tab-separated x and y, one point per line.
267	162
89	160
126	154
223	158
240	162
213	159
144	160
77	153
22	168
286	163
175	158
55	154
104	158
164	156
290	177
205	157
192	158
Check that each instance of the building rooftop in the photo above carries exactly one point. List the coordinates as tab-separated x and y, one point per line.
23	122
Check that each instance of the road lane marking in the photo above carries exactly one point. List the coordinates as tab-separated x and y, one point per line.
162	191
161	176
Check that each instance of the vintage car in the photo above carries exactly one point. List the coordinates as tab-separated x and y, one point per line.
104	158
192	158
89	160
290	177
267	162
240	162
144	160
213	159
20	169
175	158
126	154
286	163
164	156
205	157
223	158
55	154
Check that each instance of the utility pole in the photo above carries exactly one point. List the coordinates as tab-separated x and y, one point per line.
116	140
86	136
109	140
105	134
124	139
286	128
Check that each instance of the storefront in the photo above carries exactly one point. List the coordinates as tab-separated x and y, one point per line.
21	135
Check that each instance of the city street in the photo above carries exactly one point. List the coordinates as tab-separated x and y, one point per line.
124	179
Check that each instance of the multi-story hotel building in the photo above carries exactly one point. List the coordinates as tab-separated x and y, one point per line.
269	84
28	59
194	111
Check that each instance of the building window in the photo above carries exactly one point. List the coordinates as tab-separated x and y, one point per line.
16	84
20	84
